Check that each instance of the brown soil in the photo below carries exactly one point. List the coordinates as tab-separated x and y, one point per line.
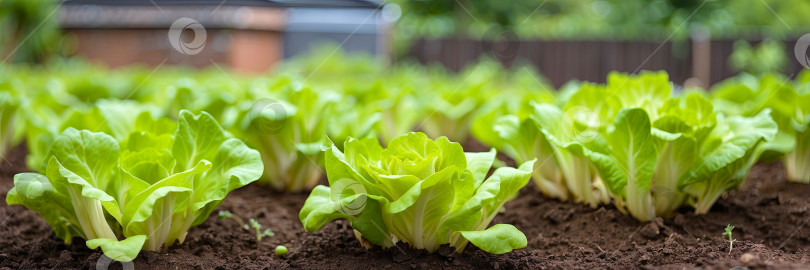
770	216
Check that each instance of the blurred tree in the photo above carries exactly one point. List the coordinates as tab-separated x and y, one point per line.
769	56
29	31
604	19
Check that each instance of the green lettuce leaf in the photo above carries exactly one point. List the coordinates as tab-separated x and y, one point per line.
148	195
628	167
419	191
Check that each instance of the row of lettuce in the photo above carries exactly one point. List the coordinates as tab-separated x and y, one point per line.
634	143
132	158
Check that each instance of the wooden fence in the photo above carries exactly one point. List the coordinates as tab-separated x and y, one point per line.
562	61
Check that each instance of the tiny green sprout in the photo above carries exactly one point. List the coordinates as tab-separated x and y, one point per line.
281	251
731	240
225	214
259	233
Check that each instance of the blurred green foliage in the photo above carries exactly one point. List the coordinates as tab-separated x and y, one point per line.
604	19
29	30
766	57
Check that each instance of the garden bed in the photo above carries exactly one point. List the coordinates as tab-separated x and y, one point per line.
769	214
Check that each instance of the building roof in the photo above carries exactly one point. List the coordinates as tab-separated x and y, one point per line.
263	3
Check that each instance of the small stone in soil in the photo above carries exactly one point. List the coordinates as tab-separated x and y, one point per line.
650	230
750	259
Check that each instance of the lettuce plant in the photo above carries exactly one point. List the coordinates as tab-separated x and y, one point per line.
113	117
450	114
655	153
590	130
10	126
398	115
32	104
209	90
684	123
566	141
505	124
397	105
290	134
352	119
418	191
454	100
797	162
790	106
725	158
145	192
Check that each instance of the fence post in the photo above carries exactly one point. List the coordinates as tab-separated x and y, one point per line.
701	59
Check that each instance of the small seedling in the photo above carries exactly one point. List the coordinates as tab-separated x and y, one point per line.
259	233
281	251
224	214
731	240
